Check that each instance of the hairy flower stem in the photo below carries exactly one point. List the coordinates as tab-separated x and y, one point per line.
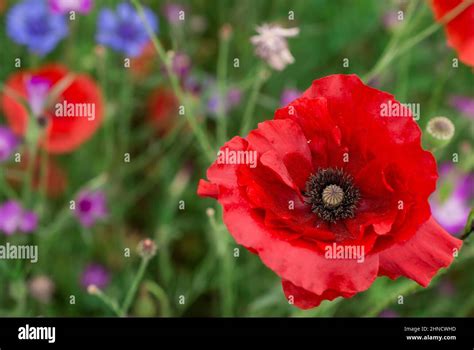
222	62
134	287
469	226
407	289
392	44
5	187
225	267
160	294
394	52
112	304
260	77
32	140
199	132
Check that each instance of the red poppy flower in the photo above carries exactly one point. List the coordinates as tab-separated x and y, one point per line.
460	30
331	194
162	109
80	102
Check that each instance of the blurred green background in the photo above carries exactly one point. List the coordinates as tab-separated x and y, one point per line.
195	258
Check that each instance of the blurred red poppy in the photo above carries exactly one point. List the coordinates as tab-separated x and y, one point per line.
460	30
162	109
80	105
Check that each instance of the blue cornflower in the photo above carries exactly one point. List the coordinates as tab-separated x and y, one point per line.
124	30
30	23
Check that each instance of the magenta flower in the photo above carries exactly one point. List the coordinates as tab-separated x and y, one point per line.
65	6
90	207
450	205
37	89
95	275
8	143
289	95
13	218
463	104
181	65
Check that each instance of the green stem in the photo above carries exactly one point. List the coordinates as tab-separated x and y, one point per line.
260	78
437	91
32	139
126	115
394	40
43	182
408	289
201	136
159	294
222	62
225	268
5	187
162	236
108	302
469	229
392	54
133	288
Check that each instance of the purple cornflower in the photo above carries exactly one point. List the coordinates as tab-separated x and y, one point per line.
172	12
463	104
30	23
8	143
124	30
65	6
95	275
13	218
288	96
450	205
90	207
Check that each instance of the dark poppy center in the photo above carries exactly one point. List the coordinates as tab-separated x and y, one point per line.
331	194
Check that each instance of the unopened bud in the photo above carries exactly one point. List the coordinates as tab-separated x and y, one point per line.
92	289
210	212
147	248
